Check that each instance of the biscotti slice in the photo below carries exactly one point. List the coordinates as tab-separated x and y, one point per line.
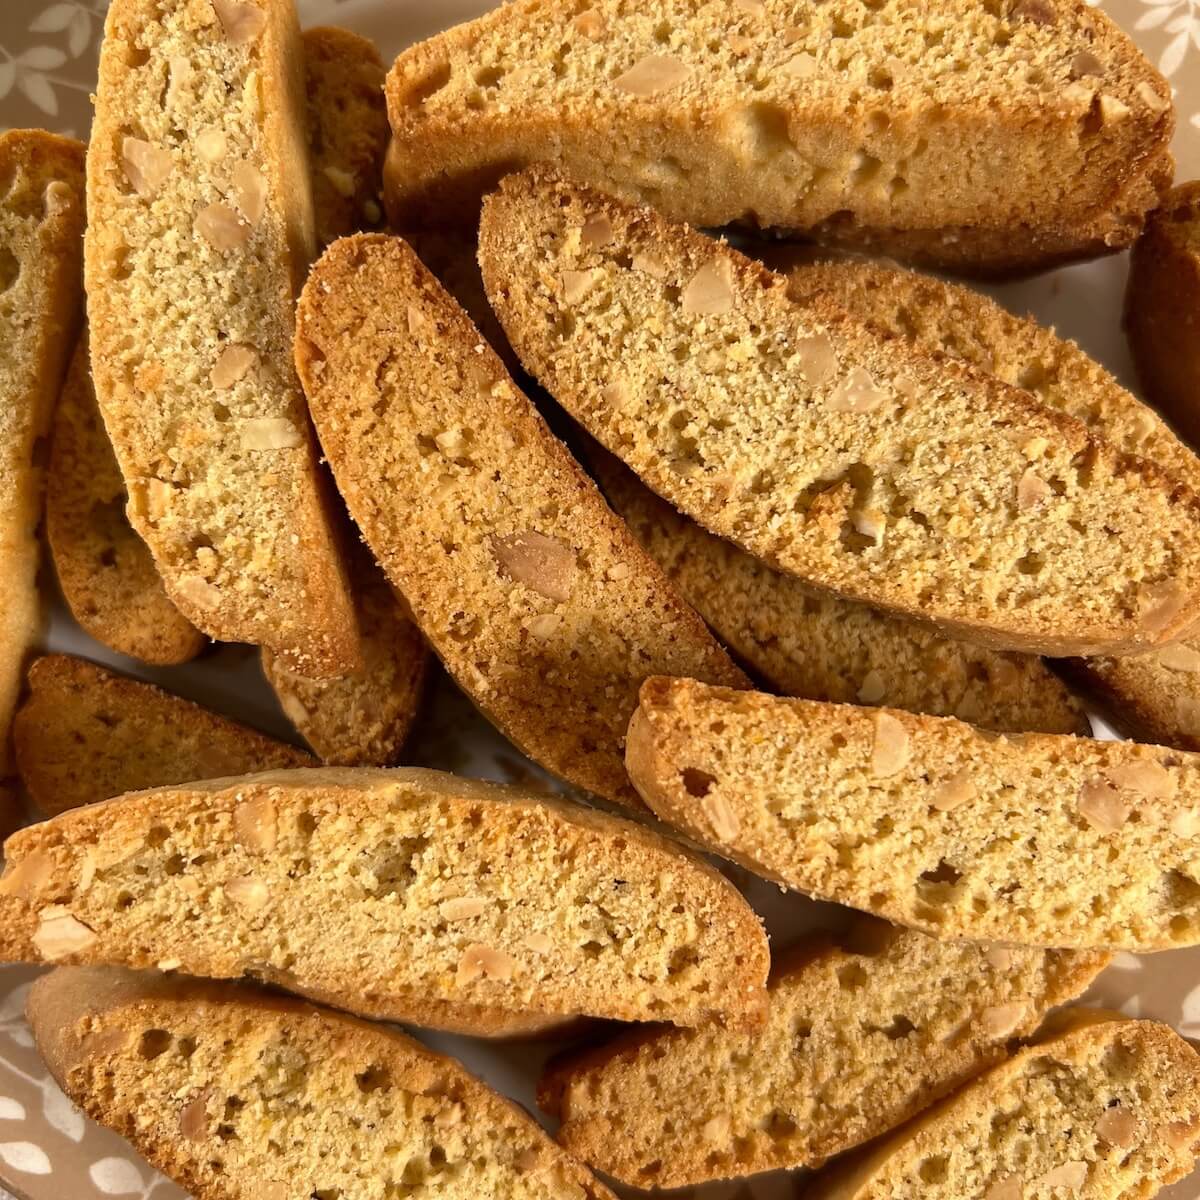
780	114
534	595
85	733
362	719
807	643
105	570
894	1015
1152	697
41	220
1029	839
368	887
241	1095
834	454
200	231
1105	1110
347	130
1162	308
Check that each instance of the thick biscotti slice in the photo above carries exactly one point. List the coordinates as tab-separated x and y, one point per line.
41	220
807	643
534	595
1152	697
241	1095
1106	1110
362	719
780	114
106	571
85	733
369	886
1162	308
200	231
894	1015
832	453
1033	839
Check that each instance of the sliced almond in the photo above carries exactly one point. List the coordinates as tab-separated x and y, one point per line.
872	689
179	72
248	892
817	357
1118	1127
799	66
1181	1135
596	231
212	144
242	22
653	74
721	817
221	227
234	363
1180	657
537	561
716	1129
146	165
59	935
710	292
483	962
1001	1019
540	943
1071	1175
1145	777
269	433
577	284
250	190
999	958
256	825
955	791
890	751
1032	491
462	908
857	393
1160	604
28	876
1102	806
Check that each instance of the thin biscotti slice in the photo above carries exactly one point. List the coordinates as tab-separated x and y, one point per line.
781	114
41	221
535	596
242	1095
105	570
1104	1110
832	453
1029	839
85	733
1152	697
894	1015
802	642
200	231
1162	308
366	887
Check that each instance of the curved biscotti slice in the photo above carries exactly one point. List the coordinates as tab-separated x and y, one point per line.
1107	1110
41	220
830	452
534	595
106	572
1033	839
807	643
367	887
782	114
895	1016
347	130
241	1095
362	719
85	733
1153	697
200	230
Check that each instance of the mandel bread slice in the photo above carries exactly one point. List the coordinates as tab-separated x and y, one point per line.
41	220
531	591
782	113
832	453
201	229
367	887
241	1095
1032	839
893	1015
1152	697
1102	1110
802	642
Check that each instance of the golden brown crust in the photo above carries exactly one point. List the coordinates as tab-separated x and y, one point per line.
389	891
534	595
181	1067
887	477
191	351
41	220
1032	839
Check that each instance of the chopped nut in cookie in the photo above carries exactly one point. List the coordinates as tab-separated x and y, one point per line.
1102	806
653	74
710	292
857	393
891	751
537	561
483	962
241	20
146	165
60	934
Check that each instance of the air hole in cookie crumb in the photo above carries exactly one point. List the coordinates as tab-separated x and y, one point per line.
135	55
696	782
851	977
10	268
653	1168
373	1078
157	835
944	872
425	88
900	1027
780	1126
186	1047
154	1042
934	1170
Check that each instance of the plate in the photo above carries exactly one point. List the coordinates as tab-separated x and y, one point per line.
48	1150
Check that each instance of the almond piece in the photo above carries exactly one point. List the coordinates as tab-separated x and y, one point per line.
1181	1135
818	360
248	892
799	66
649	265
577	284
1102	806
753	8
653	74
537	561
710	292
1071	1175
146	165
857	393
1001	1019
193	1117
955	791
870	522
221	227
540	943
242	22
1032	491
26	877
462	908
1185	823
1145	777
250	189
255	824
269	433
60	935
721	817
211	144
1118	1127
482	962
872	688
544	626
449	1116
1152	98
590	23
716	1129
1005	1189
890	752
1179	657
1112	109
596	231
234	363
341	180
179	72
1160	604
104	1042
199	591
1085	62
999	958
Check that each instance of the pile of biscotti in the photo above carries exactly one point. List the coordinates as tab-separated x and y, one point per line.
811	592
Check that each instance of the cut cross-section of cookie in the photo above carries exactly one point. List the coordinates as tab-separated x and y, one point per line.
893	1015
365	888
534	595
829	451
234	1092
1029	839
